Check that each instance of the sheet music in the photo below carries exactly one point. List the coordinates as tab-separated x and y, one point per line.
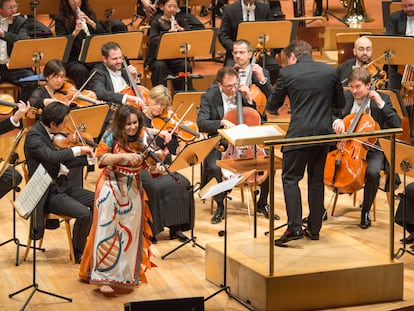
30	196
244	131
223	186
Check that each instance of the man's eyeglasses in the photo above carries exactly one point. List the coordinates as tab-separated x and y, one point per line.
239	52
231	86
11	7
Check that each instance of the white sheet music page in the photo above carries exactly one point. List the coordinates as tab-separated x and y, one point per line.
242	131
222	186
30	196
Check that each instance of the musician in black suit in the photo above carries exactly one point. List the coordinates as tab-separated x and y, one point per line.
7	125
400	23
12	29
215	103
408	222
234	14
381	110
316	99
63	197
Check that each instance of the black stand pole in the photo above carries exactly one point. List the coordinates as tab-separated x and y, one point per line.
13	161
34	285
224	287
405	167
192	219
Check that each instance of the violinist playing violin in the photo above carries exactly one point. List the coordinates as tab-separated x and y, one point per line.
219	99
64	197
363	53
171	202
6	179
381	110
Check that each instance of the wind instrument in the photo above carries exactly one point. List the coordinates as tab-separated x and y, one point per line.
83	21
172	20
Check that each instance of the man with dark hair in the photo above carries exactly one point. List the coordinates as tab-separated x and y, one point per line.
381	110
12	29
316	99
63	197
219	99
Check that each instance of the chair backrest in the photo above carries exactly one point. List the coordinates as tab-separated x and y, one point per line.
345	44
395	6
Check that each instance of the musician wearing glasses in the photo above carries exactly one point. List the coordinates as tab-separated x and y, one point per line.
381	110
316	99
12	29
219	99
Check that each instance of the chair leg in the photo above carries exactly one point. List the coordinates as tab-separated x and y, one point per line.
26	252
69	235
334	203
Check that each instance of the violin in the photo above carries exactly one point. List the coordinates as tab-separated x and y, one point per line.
185	130
68	91
134	90
346	166
71	139
7	105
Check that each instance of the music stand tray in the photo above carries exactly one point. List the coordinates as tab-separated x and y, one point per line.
120	9
40	51
401	46
45	7
130	43
91	118
279	33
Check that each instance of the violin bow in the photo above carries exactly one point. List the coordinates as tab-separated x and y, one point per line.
82	87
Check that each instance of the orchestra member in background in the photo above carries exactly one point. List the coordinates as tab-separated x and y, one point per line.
316	99
408	213
219	99
400	23
169	21
170	199
120	213
318	8
363	53
76	18
7	125
64	197
12	29
381	110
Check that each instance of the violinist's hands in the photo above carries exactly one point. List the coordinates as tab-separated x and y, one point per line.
133	159
138	100
21	111
245	91
258	71
376	98
226	124
86	150
338	126
166	136
160	169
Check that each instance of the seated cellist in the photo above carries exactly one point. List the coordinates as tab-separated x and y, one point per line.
380	108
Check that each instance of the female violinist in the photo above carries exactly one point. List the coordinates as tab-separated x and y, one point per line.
58	89
381	110
120	211
170	202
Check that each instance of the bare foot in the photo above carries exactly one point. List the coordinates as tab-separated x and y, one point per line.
107	290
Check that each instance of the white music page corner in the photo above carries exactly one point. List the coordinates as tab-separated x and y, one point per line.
222	186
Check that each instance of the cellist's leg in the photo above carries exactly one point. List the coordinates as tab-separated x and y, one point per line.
375	160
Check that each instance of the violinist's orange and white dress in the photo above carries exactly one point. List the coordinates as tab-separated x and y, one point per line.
117	251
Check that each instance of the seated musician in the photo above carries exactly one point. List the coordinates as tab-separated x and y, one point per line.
169	21
79	24
64	197
408	222
363	53
215	103
7	125
171	200
381	110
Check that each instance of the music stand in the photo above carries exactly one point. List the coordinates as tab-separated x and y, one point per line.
37	52
404	156
401	48
34	195
225	186
192	154
185	99
89	118
271	34
194	43
130	43
120	9
11	158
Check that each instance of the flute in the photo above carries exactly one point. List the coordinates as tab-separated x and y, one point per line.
6	18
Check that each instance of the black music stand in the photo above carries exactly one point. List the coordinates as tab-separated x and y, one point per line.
194	43
11	158
191	155
130	43
226	186
34	194
37	52
404	156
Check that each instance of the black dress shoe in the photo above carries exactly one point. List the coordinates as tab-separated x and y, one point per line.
409	239
289	236
318	12
153	239
264	209
310	235
365	220
203	11
218	215
178	235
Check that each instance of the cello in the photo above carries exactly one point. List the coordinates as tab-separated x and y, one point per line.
346	166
